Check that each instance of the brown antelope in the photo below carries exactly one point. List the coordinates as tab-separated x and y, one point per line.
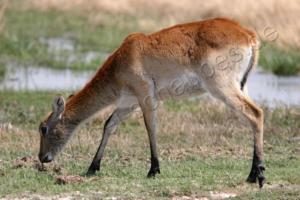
213	56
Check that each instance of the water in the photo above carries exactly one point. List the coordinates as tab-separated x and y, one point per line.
38	78
274	90
263	87
62	49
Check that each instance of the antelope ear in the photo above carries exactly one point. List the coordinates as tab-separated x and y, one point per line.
58	106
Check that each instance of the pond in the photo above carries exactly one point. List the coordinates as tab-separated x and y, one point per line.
274	90
263	87
21	78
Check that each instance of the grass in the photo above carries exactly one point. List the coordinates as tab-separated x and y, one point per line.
2	71
202	148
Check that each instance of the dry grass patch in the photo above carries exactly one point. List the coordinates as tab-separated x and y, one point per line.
263	16
61	180
3	6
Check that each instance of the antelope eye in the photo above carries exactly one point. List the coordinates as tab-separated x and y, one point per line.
44	130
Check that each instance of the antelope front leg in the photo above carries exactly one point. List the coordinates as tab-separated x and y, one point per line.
150	122
148	104
109	127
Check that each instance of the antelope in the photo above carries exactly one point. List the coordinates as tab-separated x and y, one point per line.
213	56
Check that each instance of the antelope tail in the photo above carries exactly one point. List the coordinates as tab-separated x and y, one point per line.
252	63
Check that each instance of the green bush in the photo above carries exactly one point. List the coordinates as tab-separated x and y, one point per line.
280	61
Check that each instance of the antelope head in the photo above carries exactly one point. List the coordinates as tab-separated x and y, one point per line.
53	132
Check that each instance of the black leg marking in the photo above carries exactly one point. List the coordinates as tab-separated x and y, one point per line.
257	172
261	177
154	169
110	125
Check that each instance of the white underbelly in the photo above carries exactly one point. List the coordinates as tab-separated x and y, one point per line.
178	85
175	86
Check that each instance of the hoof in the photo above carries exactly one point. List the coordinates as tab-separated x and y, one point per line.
152	172
260	175
257	174
92	169
261	181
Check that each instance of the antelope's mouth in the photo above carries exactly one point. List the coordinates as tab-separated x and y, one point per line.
46	158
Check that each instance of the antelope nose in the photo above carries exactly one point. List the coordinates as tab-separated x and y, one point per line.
46	158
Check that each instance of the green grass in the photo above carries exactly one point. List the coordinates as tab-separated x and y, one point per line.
280	61
2	72
202	148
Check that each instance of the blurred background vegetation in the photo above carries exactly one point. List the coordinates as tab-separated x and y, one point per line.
100	26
